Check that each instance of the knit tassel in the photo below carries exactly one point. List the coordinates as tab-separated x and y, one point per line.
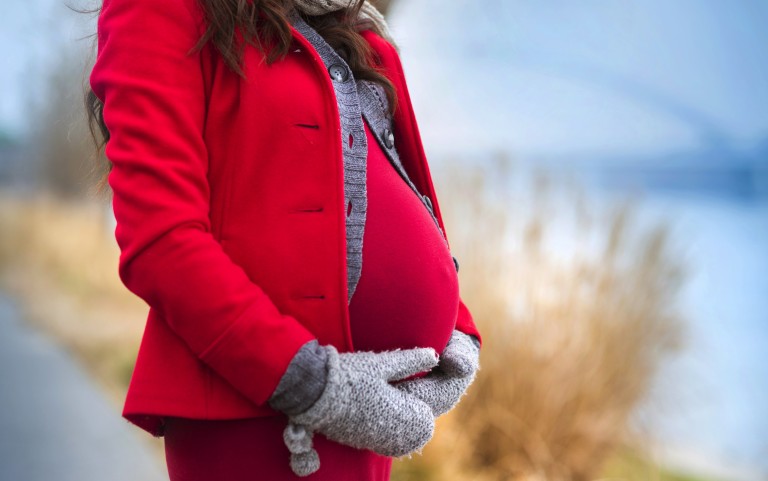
304	458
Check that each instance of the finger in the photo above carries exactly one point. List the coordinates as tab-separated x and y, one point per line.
413	428
396	365
423	388
440	392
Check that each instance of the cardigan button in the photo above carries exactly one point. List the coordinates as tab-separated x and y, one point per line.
389	138
456	263
427	201
338	72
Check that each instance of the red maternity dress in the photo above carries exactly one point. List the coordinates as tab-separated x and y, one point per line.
407	296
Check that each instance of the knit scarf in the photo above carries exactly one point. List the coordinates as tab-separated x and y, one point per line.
367	12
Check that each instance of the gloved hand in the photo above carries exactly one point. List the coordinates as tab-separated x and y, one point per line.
444	386
359	407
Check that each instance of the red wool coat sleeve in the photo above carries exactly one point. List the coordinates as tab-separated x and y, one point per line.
154	108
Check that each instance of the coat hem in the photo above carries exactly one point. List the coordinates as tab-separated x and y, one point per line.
152	419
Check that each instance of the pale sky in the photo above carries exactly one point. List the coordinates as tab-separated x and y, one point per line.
594	75
528	76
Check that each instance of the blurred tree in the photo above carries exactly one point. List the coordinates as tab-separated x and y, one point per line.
59	141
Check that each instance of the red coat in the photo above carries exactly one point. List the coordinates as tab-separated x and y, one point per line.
230	210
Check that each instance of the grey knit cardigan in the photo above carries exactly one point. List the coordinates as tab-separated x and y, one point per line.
355	99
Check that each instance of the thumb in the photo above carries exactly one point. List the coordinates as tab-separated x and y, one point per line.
400	364
460	357
457	365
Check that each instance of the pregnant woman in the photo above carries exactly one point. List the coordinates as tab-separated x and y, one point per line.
276	212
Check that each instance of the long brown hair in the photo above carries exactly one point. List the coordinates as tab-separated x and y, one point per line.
265	25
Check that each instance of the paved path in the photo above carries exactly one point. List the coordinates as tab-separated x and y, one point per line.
55	424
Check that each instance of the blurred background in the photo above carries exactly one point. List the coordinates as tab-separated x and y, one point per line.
602	167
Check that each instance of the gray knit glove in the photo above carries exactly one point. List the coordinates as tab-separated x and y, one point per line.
359	407
443	387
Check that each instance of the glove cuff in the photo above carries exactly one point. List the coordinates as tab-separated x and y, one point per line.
303	382
327	405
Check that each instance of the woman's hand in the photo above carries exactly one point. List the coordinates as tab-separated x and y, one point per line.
360	408
444	386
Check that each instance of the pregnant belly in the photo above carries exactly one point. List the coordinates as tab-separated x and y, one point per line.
408	292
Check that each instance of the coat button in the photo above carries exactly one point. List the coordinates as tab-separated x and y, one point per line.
456	263
338	72
389	138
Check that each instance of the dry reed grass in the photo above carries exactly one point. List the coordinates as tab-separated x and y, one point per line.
577	322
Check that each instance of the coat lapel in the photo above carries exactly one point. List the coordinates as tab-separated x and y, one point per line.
407	138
